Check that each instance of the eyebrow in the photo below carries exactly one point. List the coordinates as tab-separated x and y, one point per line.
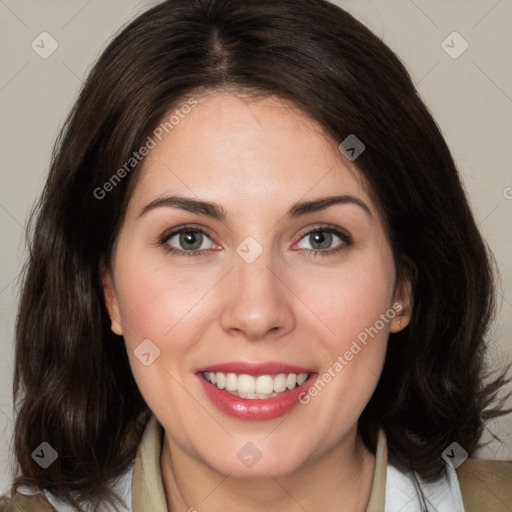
217	212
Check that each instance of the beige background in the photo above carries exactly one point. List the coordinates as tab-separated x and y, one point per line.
470	97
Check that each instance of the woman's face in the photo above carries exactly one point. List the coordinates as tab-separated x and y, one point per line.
275	284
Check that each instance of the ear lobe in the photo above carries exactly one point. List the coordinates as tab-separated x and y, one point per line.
111	302
402	304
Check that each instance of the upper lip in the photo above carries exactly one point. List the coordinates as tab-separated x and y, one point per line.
254	368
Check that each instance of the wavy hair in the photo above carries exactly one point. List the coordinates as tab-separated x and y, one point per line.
73	386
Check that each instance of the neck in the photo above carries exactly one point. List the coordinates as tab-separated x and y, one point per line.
339	480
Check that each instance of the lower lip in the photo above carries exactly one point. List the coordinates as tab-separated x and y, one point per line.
258	408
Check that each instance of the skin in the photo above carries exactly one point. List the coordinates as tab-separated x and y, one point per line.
255	158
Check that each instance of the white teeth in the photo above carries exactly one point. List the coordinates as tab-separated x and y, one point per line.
231	382
221	380
263	386
246	384
291	380
303	377
253	395
280	383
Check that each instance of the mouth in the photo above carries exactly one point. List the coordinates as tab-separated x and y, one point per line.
255	388
254	391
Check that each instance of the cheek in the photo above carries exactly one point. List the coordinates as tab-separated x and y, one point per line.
354	351
156	303
349	299
354	310
170	307
163	307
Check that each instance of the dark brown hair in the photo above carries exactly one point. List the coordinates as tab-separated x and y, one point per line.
73	385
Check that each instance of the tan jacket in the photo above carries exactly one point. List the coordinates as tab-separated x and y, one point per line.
486	486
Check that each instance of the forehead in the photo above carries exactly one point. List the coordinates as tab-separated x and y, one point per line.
246	150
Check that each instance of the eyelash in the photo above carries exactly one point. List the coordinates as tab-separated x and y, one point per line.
343	235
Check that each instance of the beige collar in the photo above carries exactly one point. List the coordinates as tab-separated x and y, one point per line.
147	486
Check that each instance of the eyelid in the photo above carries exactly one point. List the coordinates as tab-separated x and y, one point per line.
169	233
172	232
336	230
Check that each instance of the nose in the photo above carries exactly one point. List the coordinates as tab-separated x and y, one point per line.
258	302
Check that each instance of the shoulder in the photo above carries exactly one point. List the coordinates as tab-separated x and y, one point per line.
31	499
485	484
26	503
402	491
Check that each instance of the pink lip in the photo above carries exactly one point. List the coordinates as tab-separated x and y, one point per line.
257	409
254	369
